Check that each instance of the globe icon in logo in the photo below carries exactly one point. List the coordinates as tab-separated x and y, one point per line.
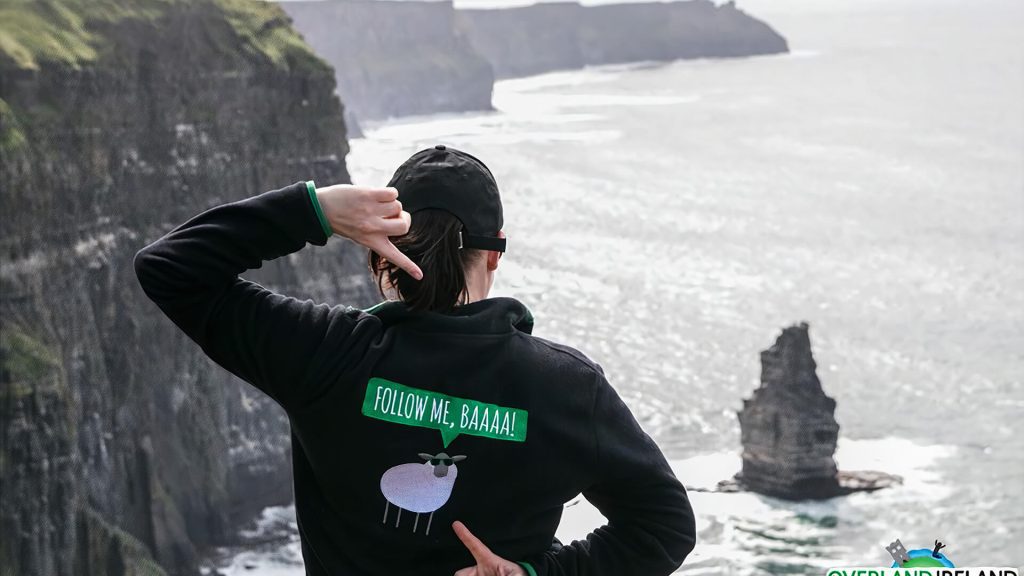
920	557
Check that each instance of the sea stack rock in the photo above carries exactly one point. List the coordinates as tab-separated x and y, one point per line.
789	431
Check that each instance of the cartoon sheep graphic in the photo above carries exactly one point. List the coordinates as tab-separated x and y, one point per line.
420	488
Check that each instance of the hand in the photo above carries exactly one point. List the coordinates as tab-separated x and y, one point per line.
369	216
487	563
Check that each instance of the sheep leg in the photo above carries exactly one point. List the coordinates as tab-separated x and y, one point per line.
386	504
416	523
398	518
429	520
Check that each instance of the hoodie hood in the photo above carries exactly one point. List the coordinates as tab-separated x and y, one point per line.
499	315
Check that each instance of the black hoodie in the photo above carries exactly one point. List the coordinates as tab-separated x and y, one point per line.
403	422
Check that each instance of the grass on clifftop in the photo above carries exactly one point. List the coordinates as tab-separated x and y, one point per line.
267	30
11	136
24	361
65	31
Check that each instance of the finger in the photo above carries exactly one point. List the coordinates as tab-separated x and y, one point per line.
384	194
389	209
481	553
471	571
388	250
395	226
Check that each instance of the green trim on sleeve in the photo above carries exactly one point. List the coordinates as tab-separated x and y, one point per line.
311	188
529	569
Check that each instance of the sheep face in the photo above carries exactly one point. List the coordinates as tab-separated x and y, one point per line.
440	462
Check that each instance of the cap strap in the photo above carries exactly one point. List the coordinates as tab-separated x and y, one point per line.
481	242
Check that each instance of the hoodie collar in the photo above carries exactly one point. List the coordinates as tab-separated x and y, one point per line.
499	315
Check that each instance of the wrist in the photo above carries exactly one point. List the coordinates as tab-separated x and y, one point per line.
324	224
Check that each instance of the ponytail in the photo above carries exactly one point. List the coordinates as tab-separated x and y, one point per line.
432	242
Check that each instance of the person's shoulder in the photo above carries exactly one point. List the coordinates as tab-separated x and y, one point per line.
565	355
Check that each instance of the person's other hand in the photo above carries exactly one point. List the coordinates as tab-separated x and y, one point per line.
369	216
487	563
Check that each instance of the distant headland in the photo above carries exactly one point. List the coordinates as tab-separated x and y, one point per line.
395	58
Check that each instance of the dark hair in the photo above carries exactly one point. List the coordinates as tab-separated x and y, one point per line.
432	242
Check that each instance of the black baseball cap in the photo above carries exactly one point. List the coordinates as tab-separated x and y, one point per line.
459	183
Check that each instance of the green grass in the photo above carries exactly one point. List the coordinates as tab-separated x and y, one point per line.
69	32
12	138
265	30
24	360
138	560
30	32
34	31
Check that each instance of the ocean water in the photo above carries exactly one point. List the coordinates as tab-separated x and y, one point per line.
669	219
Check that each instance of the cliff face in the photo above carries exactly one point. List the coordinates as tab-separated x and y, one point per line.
396	58
123	449
564	35
399	58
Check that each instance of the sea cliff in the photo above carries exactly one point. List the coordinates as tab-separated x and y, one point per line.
565	35
123	449
395	58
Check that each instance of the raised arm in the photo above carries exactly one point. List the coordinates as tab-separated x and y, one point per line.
281	345
650	528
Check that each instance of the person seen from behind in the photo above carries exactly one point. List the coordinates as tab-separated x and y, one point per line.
432	434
